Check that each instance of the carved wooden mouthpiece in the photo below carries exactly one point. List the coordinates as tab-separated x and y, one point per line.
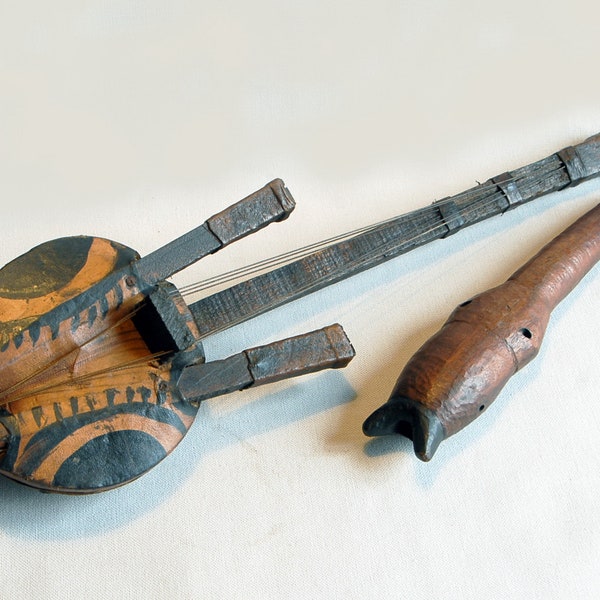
459	372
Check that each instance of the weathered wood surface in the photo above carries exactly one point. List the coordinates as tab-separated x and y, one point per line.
459	372
249	298
271	203
299	355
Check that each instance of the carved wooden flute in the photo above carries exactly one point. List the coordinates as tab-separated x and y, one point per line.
459	372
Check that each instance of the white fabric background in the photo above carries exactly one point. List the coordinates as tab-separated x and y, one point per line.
137	120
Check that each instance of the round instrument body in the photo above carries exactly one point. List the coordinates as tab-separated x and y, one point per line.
105	413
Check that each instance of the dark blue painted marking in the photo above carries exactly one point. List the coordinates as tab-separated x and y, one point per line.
58	412
109	460
161	395
90	401
145	393
74	405
75	322
119	294
92	315
62	259
18	339
130	394
49	437
110	396
104	306
34	332
59	260
187	408
38	413
54	328
83	301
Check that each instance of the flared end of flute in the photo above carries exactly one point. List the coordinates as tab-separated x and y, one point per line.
403	416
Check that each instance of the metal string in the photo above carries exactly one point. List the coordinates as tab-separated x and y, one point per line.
26	380
489	189
87	376
387	246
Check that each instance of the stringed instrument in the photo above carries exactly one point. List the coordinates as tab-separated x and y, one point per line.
102	366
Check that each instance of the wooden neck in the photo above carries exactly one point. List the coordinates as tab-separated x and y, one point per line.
339	261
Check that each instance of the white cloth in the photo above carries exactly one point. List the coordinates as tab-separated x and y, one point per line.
137	120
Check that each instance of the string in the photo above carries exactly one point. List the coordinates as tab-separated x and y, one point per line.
129	315
273	262
388	246
297	254
489	189
85	377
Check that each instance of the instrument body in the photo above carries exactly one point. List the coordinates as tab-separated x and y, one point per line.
94	345
459	372
67	431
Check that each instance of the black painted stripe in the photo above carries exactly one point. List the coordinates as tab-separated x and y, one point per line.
90	401
34	332
108	461
62	259
92	315
18	339
55	328
75	322
40	445
145	393
104	306
111	395
38	413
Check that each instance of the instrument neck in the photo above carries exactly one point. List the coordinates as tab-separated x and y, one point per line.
380	243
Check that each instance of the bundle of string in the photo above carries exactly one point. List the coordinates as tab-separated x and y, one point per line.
482	196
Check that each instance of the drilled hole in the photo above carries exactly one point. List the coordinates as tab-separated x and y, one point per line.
481	407
404	428
525	332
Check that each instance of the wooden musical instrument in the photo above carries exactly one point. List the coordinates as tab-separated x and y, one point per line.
102	366
457	374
